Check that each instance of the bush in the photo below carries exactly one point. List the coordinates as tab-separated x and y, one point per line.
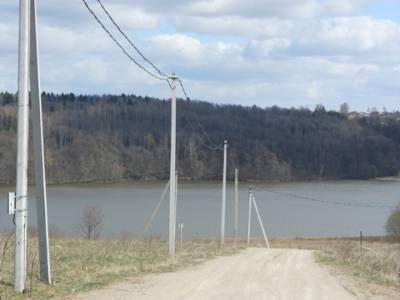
90	226
393	225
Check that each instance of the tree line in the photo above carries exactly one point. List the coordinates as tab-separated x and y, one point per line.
116	137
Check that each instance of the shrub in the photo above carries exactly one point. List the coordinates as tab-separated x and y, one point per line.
90	226
393	225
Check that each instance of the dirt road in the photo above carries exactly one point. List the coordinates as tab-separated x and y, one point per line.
253	274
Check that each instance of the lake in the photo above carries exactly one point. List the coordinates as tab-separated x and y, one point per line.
127	207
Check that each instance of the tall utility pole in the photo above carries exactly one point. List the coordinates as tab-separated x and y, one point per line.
249	218
21	204
172	175
180	226
223	208
236	204
28	74
176	191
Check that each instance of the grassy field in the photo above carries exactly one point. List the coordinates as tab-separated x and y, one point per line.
378	261
81	265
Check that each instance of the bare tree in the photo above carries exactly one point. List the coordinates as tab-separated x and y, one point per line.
90	226
393	225
344	109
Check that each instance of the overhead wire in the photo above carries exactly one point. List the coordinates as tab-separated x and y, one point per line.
121	46
183	89
213	147
210	145
161	75
130	41
332	202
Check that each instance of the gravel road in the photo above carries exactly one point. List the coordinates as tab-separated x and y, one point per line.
255	273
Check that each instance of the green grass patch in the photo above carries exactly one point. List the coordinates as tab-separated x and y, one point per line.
80	265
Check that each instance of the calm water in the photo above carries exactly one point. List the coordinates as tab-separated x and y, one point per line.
126	208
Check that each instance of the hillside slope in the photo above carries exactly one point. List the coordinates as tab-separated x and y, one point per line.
92	138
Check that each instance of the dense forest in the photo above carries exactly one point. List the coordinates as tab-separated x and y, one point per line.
110	138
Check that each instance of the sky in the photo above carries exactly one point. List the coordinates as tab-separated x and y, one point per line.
290	53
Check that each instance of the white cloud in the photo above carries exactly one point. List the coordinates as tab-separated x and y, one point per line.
350	35
344	7
235	26
285	52
313	91
130	17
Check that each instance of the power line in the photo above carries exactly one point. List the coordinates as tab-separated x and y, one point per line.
213	147
130	41
210	145
120	45
161	76
183	89
332	202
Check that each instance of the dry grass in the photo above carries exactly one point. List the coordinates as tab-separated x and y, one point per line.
377	261
81	265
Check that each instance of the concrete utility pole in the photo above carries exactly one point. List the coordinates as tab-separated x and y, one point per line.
176	191
260	221
155	211
21	203
223	196
252	201
180	225
249	218
28	73
236	204
172	177
38	149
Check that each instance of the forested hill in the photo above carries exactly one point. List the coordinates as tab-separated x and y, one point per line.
92	138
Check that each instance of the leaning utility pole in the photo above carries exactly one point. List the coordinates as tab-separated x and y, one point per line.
236	204
252	202
260	221
172	175
223	208
28	74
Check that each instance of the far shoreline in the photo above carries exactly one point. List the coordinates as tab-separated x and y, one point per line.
151	181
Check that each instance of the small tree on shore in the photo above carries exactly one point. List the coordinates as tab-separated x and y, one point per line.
90	226
393	225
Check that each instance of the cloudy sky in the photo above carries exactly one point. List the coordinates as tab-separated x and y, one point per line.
263	52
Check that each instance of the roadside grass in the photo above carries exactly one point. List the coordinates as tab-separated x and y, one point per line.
82	265
377	262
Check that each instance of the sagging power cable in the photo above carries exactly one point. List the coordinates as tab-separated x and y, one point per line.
130	41
160	77
331	202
